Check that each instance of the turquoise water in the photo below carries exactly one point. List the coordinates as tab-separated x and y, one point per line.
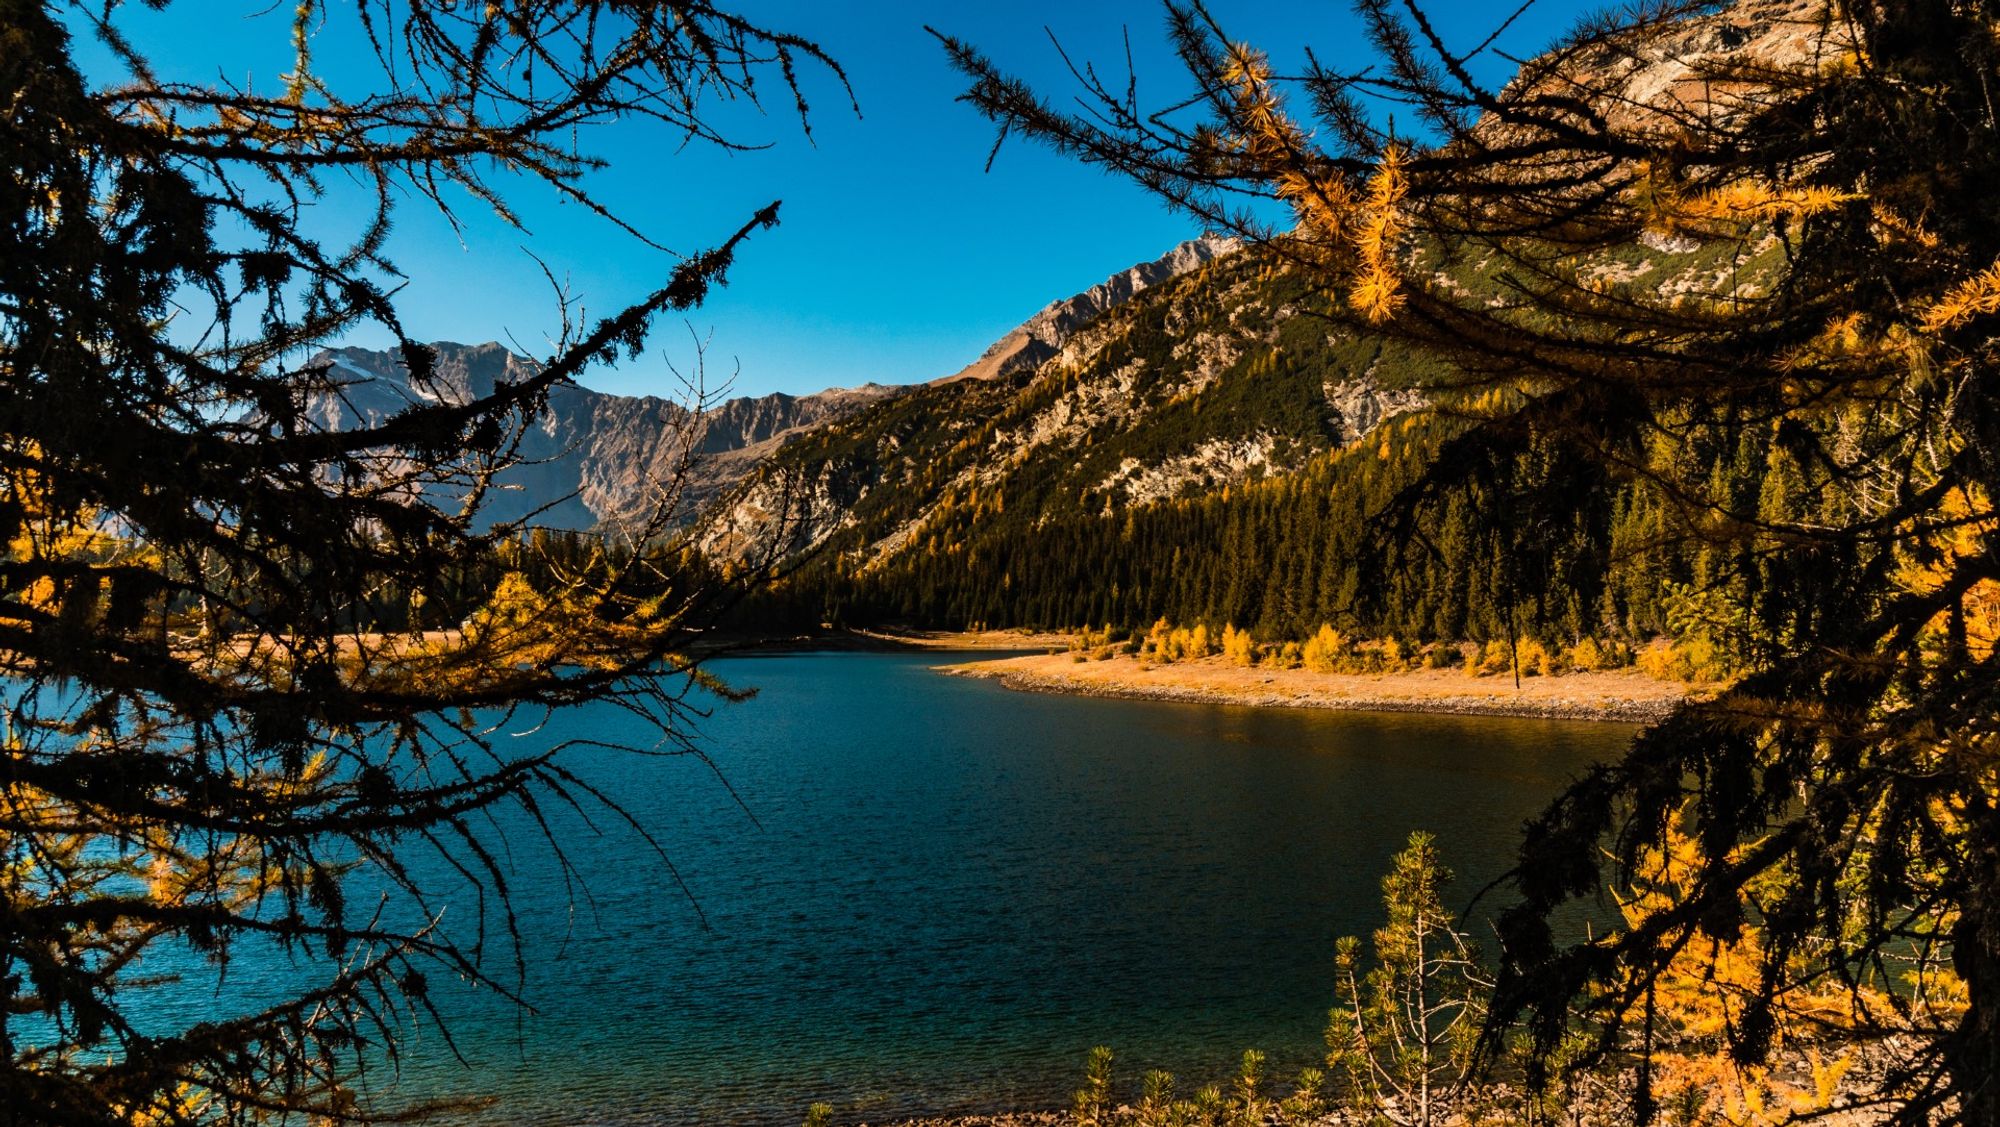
914	893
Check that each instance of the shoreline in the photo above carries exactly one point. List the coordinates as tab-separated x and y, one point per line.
1620	696
893	641
1026	641
995	1119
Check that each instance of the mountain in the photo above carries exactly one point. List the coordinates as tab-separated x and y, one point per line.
1225	373
1201	436
1216	447
596	458
592	457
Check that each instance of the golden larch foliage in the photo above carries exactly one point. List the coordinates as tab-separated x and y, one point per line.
1377	292
1977	296
1968	520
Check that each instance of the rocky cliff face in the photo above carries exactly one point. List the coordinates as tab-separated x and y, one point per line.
1712	66
1040	337
591	458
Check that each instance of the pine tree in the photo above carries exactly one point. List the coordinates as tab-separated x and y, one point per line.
1403	1034
236	678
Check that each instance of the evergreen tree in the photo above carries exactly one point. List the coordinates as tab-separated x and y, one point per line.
1403	1033
235	674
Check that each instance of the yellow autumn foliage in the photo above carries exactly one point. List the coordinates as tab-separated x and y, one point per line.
1587	656
1325	651
1168	643
1760	200
1495	657
1359	233
1238	646
1377	292
1727	210
1965	519
1704	993
1976	296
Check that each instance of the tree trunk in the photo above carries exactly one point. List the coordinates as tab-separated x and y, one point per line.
1973	1051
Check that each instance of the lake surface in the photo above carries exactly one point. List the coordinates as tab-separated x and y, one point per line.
930	894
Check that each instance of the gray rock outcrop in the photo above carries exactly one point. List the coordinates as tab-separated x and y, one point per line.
1042	336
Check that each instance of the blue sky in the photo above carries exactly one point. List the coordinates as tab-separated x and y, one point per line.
898	259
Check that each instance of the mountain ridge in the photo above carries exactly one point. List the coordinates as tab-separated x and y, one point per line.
601	459
1041	336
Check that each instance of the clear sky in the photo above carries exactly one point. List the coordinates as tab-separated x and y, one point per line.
898	258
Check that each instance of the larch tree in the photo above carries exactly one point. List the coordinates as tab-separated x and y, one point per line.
235	678
1403	1033
1743	261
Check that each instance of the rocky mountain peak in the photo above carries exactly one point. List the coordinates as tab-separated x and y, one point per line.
592	457
1043	335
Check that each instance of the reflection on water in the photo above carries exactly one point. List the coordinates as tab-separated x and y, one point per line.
935	894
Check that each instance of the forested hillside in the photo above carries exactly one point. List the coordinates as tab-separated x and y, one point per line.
1219	451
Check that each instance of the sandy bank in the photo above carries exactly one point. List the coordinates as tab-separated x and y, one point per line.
888	641
1622	696
968	639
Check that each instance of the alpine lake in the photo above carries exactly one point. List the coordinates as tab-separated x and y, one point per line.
904	893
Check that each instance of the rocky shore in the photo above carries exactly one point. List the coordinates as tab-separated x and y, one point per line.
1005	1119
1621	696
